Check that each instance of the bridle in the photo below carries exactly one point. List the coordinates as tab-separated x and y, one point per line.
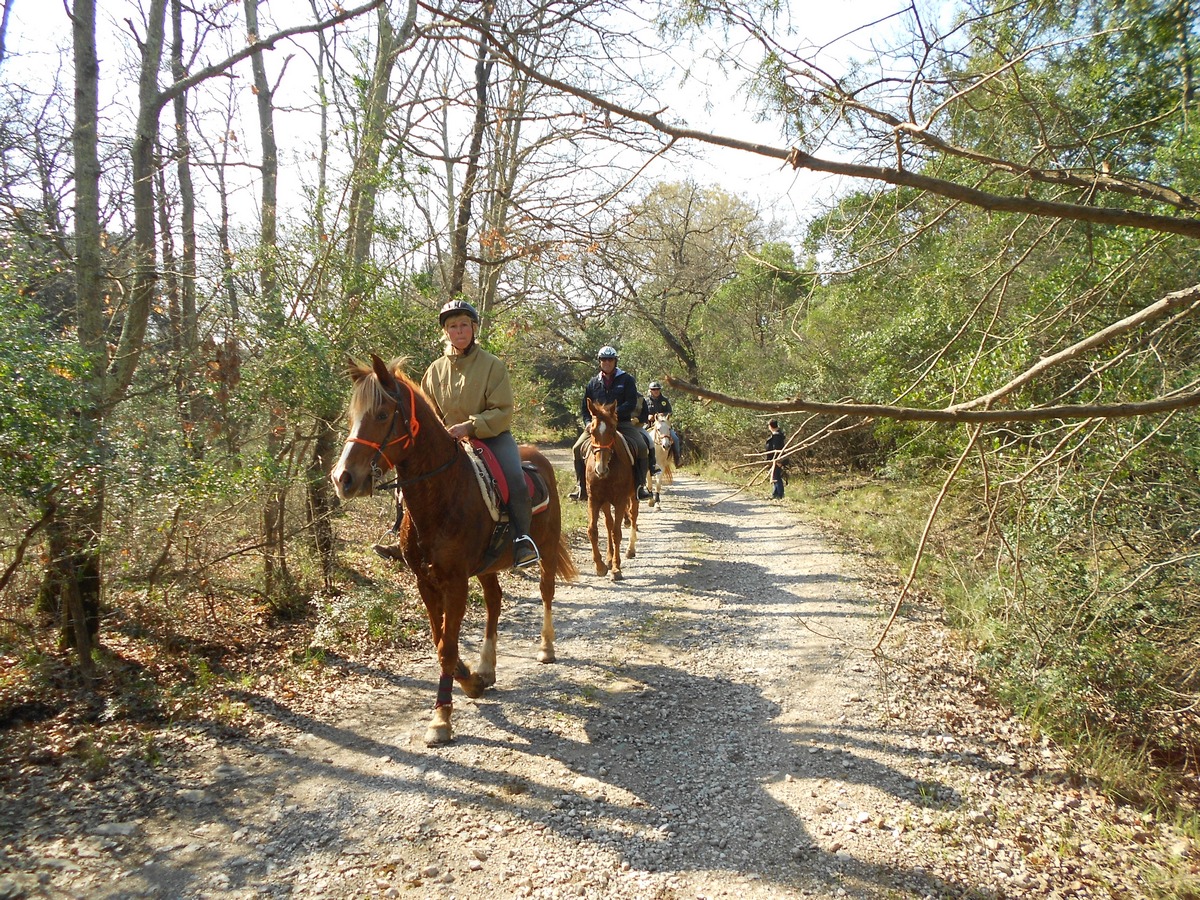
663	433
596	447
406	440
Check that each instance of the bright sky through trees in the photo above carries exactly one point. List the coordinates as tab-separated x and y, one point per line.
709	98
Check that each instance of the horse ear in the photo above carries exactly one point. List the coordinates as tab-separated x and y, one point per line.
591	409
387	380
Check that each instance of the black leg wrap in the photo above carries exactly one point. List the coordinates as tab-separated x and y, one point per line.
445	690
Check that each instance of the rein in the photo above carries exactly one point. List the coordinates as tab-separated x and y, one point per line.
402	482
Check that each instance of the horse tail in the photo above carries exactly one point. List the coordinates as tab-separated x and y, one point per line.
567	570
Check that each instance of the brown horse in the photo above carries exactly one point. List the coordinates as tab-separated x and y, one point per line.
447	527
610	487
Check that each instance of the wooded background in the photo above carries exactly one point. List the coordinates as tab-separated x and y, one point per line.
994	292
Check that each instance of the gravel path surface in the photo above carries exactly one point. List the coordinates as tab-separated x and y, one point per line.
710	730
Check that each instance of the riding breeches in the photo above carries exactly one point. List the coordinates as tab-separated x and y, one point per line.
519	508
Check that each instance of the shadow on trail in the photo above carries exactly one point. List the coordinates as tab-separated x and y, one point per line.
665	767
700	790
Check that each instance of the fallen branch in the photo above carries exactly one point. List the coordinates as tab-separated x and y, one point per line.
1185	400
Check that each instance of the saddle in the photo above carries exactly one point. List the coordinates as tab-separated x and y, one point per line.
495	487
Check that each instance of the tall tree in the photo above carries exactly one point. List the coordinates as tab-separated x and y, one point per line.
186	326
276	580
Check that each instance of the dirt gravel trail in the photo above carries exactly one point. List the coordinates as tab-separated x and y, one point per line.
708	731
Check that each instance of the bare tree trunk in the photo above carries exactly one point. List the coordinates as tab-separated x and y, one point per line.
187	326
226	350
170	281
76	579
504	169
321	501
75	527
276	581
366	168
483	69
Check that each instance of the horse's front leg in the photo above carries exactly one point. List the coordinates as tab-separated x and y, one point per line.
594	534
633	514
612	521
484	676
446	607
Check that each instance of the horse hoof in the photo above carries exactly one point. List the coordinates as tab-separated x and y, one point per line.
436	735
546	655
438	731
617	576
601	571
632	554
474	686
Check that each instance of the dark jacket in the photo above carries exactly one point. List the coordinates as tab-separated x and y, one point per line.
661	405
623	392
775	443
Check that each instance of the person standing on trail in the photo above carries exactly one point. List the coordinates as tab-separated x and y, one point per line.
774	450
613	385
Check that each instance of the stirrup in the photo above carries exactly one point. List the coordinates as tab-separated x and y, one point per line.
525	552
580	493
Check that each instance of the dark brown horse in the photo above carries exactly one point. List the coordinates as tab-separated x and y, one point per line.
447	527
610	487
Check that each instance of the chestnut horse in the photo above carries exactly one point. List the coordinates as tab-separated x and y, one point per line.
610	488
447	527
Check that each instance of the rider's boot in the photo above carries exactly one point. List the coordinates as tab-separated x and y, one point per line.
580	492
392	551
525	552
639	474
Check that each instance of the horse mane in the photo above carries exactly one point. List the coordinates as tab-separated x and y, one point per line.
609	411
367	393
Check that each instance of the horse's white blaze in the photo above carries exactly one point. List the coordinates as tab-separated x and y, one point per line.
340	469
599	463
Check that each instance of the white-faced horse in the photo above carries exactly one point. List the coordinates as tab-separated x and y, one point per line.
664	454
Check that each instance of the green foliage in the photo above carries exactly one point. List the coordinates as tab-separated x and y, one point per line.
41	372
364	616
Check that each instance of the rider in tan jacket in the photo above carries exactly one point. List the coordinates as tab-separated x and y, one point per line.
470	390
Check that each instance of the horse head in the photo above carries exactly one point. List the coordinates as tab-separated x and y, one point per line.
383	425
662	430
602	435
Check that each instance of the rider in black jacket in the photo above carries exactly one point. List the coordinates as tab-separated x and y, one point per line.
613	385
657	403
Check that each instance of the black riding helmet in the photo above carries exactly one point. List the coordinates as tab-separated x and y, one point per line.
457	308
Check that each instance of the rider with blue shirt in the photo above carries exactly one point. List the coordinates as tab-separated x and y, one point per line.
613	385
